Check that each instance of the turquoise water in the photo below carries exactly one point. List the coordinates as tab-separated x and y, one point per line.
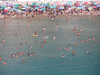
41	63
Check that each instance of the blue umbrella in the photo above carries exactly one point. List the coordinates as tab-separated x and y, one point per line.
70	3
98	5
61	7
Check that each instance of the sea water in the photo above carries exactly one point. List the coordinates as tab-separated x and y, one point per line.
41	63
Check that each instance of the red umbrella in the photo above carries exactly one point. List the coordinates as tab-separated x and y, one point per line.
85	2
77	5
94	7
6	10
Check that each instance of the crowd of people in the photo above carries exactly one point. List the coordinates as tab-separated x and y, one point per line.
50	10
51	14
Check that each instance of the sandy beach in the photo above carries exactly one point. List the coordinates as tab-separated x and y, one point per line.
45	14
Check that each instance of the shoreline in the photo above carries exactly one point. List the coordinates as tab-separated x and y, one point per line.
45	16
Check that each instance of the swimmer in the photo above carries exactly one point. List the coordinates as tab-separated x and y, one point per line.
43	29
96	41
0	58
35	33
52	55
20	54
26	42
23	53
0	33
81	40
3	41
4	63
12	55
88	52
73	31
54	38
88	39
80	29
75	28
56	27
68	44
66	48
33	53
25	60
78	33
22	61
75	44
93	38
16	55
28	52
20	43
92	44
41	46
44	40
18	24
39	42
17	48
73	52
67	19
35	40
16	34
59	48
27	23
29	47
63	55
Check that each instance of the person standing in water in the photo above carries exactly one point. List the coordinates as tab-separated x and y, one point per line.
56	27
35	33
75	28
3	41
73	52
16	34
43	29
93	38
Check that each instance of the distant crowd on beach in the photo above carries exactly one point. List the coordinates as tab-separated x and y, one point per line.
50	10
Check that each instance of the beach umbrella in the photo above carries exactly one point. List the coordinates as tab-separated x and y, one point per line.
48	3
23	8
77	5
53	7
16	5
85	2
61	7
34	3
43	8
98	5
9	4
90	8
6	10
36	7
94	7
70	3
15	9
19	11
3	6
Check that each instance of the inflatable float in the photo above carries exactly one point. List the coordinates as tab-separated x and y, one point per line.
34	35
